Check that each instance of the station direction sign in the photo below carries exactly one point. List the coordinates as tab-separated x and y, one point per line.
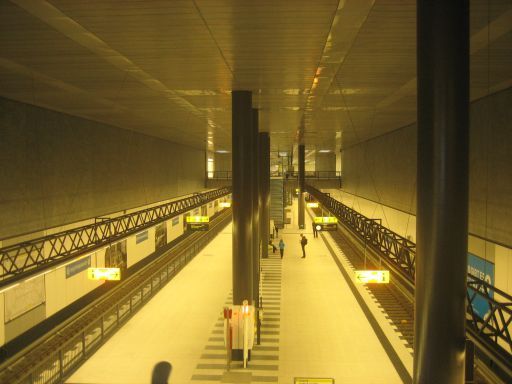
198	223
104	273
325	223
372	277
312	204
225	204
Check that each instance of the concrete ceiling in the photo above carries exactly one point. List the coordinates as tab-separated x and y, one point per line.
345	70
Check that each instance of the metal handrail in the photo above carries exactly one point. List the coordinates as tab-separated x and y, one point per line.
400	251
227	175
317	174
20	260
491	333
59	353
221	175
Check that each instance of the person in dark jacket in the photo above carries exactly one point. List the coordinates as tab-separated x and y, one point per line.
303	243
315	232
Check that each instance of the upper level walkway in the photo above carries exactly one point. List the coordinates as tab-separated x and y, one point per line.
313	325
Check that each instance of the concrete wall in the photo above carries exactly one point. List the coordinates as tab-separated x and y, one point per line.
57	169
383	169
325	161
222	161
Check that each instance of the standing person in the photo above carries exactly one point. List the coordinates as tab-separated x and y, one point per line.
277	231
303	242
281	247
315	232
272	245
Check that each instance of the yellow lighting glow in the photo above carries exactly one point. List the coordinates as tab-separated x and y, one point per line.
104	273
312	205
225	204
198	219
325	219
379	277
245	308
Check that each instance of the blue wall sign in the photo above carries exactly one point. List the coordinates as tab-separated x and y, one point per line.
484	270
78	266
140	237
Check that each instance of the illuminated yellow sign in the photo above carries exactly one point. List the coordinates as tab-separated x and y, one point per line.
312	380
104	274
325	219
225	204
312	205
198	219
379	277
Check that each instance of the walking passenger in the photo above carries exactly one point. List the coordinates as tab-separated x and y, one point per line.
281	247
303	242
315	232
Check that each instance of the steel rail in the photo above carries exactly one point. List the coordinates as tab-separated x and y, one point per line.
54	357
492	334
23	259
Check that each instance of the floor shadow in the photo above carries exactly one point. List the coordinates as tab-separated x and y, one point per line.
161	373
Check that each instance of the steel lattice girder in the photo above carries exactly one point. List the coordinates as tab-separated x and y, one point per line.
19	260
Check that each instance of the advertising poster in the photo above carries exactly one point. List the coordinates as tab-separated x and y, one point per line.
160	235
116	256
483	270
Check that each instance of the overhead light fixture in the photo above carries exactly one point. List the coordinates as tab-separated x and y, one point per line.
210	142
222	151
324	150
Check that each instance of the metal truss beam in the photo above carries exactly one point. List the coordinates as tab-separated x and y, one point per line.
26	258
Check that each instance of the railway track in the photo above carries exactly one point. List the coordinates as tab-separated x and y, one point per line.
399	309
397	305
54	357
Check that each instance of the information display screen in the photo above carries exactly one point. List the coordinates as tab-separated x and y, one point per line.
325	223
198	223
377	277
104	273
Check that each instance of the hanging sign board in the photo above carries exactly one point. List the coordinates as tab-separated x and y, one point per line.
312	380
198	223
312	205
325	223
375	277
225	204
104	273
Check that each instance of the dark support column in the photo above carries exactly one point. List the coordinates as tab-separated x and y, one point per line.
301	185
442	200
264	143
242	196
255	209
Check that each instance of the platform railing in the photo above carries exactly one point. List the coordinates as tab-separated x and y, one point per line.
492	333
21	260
316	174
322	175
53	358
399	251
